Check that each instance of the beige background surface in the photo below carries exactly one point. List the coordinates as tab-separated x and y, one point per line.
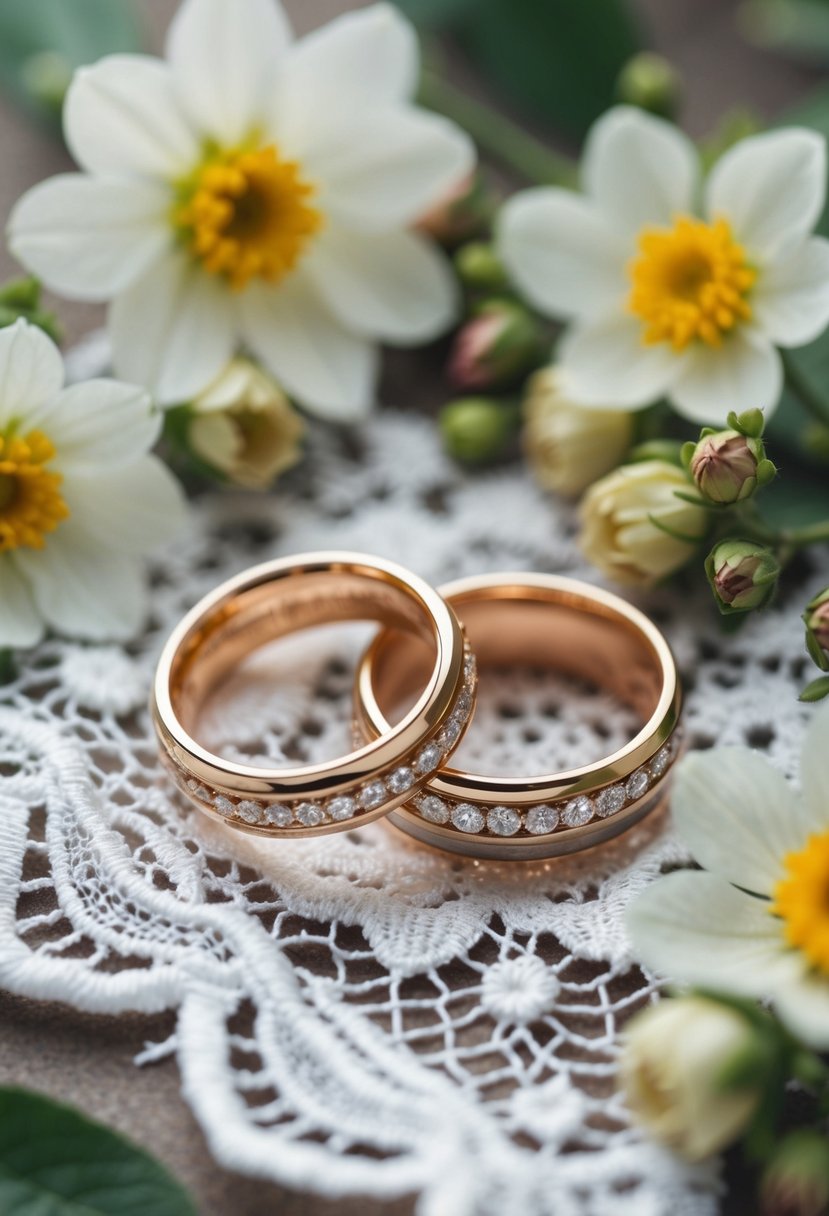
87	1060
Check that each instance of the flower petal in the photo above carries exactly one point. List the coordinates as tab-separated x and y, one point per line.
130	509
224	56
173	330
697	929
771	189
562	253
84	590
791	300
639	169
31	371
329	370
814	771
803	1006
738	815
382	169
99	423
606	364
392	286
122	115
90	237
20	622
744	373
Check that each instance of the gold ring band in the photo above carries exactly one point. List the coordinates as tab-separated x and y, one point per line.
575	629
279	598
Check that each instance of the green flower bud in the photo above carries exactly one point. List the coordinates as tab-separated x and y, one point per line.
46	77
480	268
652	83
21	298
816	620
478	430
501	342
742	574
465	212
728	467
796	1180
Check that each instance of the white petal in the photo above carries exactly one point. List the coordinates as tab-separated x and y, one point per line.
20	622
639	169
562	253
383	169
99	423
771	189
814	770
84	590
173	330
697	929
738	815
329	370
122	115
607	365
90	237
791	299
130	510
392	286
31	371
803	1006
744	373
224	54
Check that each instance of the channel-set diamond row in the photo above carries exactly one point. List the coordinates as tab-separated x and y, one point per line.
477	820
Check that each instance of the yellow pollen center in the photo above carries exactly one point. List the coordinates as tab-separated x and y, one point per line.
690	282
247	213
801	900
30	500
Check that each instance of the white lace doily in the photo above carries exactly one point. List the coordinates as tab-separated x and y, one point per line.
357	1014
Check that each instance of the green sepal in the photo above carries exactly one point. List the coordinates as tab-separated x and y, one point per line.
766	472
750	423
686	453
696	501
816	651
816	691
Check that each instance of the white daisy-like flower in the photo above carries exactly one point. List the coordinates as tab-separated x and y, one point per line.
665	297
756	922
255	190
81	499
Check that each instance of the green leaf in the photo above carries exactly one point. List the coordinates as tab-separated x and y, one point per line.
817	690
56	1162
558	58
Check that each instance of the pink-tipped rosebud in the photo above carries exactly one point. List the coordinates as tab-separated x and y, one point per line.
742	574
464	212
816	619
796	1180
728	467
499	344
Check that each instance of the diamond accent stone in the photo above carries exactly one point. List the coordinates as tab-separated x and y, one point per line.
637	784
661	761
463	706
223	805
610	800
467	818
433	808
577	812
503	821
429	758
451	732
309	814
250	811
279	816
372	795
342	808
541	819
401	779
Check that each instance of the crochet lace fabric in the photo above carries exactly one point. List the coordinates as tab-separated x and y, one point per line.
358	1014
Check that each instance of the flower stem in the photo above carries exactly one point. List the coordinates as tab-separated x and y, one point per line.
802	389
499	137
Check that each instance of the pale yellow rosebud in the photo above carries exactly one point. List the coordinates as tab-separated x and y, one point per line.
635	528
244	426
673	1062
568	446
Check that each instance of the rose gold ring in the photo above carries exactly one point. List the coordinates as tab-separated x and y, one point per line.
569	627
279	598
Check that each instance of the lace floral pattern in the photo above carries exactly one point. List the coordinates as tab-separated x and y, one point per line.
357	1014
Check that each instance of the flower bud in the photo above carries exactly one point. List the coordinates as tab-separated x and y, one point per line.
796	1180
21	298
652	83
636	528
46	76
500	342
727	467
742	575
464	212
480	268
477	430
568	446
675	1057
245	427
816	619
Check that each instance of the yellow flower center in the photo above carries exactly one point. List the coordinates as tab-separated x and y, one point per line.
30	501
801	899
690	282
246	213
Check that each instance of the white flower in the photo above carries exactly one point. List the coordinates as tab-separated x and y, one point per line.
80	498
757	922
252	189
665	301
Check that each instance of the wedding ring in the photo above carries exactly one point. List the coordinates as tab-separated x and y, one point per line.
279	598
571	628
